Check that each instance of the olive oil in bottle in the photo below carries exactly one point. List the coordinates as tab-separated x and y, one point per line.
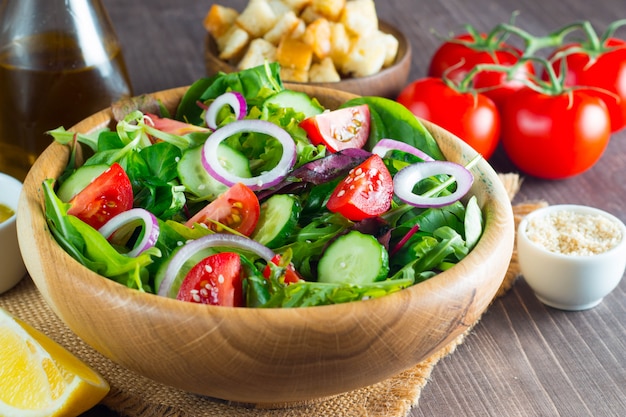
53	74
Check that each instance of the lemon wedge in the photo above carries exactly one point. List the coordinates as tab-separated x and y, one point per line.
39	377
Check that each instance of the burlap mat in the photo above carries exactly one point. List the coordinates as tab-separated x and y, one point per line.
134	396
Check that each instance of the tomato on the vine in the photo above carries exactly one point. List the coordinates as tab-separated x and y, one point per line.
216	280
554	136
237	208
471	116
366	191
603	68
457	57
339	129
108	195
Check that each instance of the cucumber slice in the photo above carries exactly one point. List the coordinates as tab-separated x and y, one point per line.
198	182
278	220
354	258
473	222
296	100
76	182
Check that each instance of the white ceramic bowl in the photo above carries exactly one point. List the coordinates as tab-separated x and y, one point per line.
13	269
570	281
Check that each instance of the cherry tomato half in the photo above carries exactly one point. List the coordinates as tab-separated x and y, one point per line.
110	194
605	70
237	208
291	275
554	136
458	56
216	280
339	129
366	191
471	116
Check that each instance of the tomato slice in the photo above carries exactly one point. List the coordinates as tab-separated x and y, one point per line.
238	208
216	280
339	129
366	191
110	194
291	275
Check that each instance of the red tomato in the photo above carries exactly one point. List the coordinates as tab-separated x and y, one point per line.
339	129
291	275
366	191
215	280
471	116
237	208
458	56
605	70
111	193
554	136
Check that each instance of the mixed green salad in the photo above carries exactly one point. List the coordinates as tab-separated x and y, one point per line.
255	195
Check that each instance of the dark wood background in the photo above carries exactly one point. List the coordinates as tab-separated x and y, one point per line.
523	359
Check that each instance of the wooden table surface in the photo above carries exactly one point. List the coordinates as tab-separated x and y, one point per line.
523	358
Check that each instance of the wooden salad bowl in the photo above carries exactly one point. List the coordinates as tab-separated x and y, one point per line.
386	83
267	356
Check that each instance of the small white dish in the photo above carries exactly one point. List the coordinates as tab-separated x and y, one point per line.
12	268
564	279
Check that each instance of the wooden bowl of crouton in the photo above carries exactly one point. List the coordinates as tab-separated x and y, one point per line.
348	48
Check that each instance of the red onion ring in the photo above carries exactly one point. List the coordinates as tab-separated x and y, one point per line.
266	179
385	145
233	99
407	177
150	232
217	239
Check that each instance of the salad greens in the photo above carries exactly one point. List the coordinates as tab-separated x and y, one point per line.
421	241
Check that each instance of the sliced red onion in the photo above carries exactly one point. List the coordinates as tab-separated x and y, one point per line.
267	179
214	240
385	145
406	178
134	218
233	99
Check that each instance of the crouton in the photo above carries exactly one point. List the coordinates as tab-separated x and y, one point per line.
340	43
285	26
324	72
359	17
391	47
219	19
330	9
232	43
279	7
297	5
366	57
257	18
294	54
294	75
257	53
317	34
309	15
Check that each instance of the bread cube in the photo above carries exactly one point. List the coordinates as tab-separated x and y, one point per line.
366	57
317	34
257	53
219	19
279	7
359	17
330	9
340	43
294	54
391	47
257	18
294	75
309	15
285	26
297	5
232	44
324	72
